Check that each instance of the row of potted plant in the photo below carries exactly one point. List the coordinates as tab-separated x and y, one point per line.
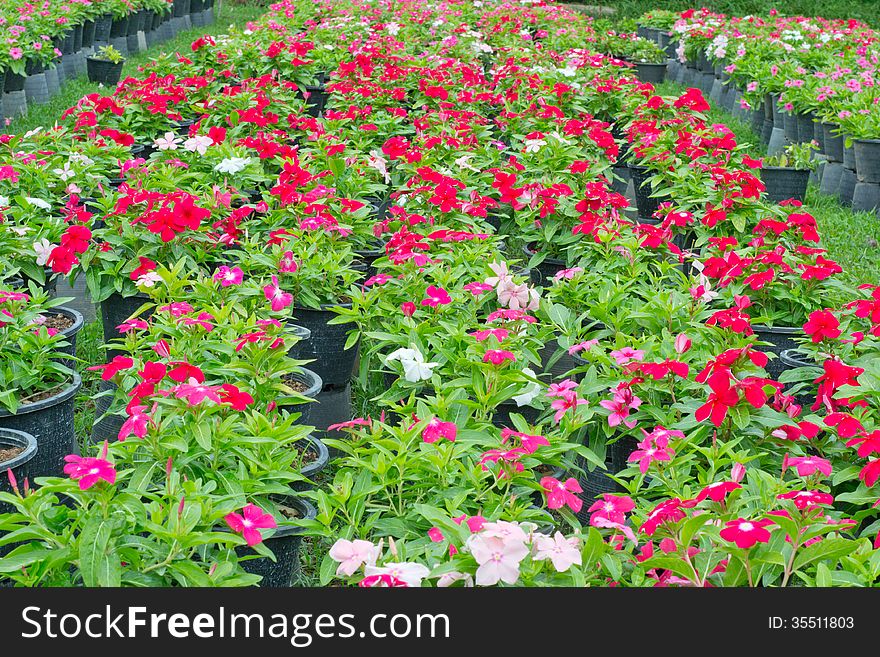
558	392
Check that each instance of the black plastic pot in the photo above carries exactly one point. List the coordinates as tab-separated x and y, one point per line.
561	366
34	67
132	27
77	37
103	26
88	34
501	416
102	71
69	333
299	349
833	142
867	152
316	100
19	465
790	126
67	43
780	338
849	154
332	406
543	273
847	188
367	258
785	183
598	482
116	310
326	348
284	543
318	463
805	127
50	421
119	27
791	359
308	378
648	72
645	203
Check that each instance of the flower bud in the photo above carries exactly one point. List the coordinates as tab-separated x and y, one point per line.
682	343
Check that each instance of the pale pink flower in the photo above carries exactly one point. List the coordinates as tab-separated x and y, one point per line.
411	574
351	555
562	552
498	559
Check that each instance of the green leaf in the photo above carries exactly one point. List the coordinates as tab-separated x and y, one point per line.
98	561
828	549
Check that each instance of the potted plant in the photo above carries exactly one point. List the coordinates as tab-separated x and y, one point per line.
787	175
105	67
650	61
38	389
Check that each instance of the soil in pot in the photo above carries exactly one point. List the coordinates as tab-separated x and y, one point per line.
17	450
315	458
69	323
308	384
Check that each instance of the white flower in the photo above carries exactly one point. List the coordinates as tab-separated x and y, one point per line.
149	279
414	366
4	200
531	391
392	28
379	163
65	173
40	203
167	143
21	231
464	162
232	165
411	573
534	145
43	249
501	277
198	144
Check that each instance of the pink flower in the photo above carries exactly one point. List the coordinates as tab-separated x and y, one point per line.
437	296
654	448
620	407
582	346
477	288
498	356
408	308
566	402
16	53
561	389
627	354
682	343
561	494
737	472
229	276
195	393
351	555
568	273
435	535
437	429
500	334
279	298
807	499
745	533
562	552
287	265
612	508
136	424
529	442
807	465
498	559
249	523
88	470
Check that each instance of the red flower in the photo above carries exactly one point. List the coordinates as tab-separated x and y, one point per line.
717	491
437	296
437	429
498	356
112	368
722	398
807	499
183	372
822	325
745	533
230	394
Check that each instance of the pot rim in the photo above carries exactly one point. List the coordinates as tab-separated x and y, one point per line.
75	315
317	445
771	168
866	141
19	439
312	378
781	330
795	357
49	402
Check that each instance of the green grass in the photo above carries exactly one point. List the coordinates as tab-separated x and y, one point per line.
851	238
46	115
89	349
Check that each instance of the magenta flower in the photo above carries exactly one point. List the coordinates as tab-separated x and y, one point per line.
498	356
499	333
652	449
745	533
287	265
279	298
561	389
621	406
582	346
566	402
807	465
437	429
249	523
194	393
477	288
229	276
88	470
612	508
136	424
437	296
560	494
807	499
